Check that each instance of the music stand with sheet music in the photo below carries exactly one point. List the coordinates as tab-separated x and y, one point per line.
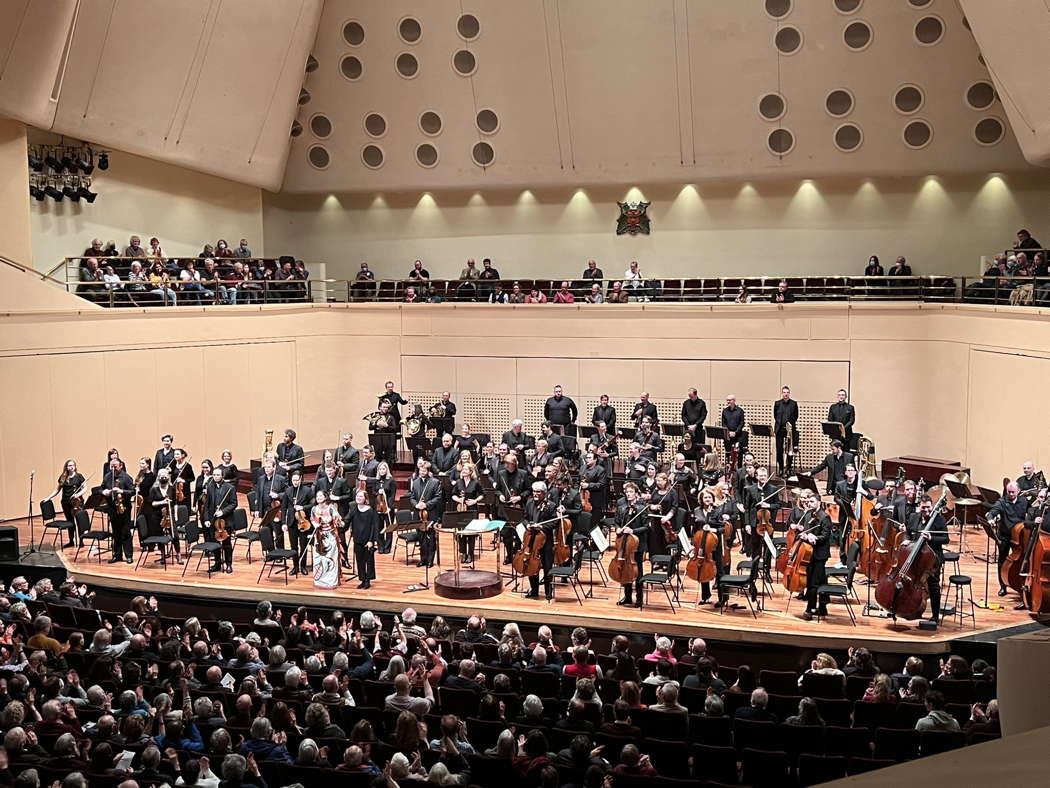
420	446
443	424
805	482
385	445
718	434
835	430
764	431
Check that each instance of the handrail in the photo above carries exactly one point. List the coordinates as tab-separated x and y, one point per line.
29	270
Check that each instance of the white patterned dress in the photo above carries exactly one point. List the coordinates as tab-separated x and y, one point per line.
326	518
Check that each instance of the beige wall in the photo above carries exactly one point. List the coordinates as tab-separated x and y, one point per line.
138	196
926	380
830	226
14	193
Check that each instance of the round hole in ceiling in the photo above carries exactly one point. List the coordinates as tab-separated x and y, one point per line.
780	141
857	36
839	103
929	30
375	124
407	65
372	156
311	64
464	62
487	121
304	96
772	106
848	137
847	6
318	156
908	99
409	30
778	9
426	155
430	123
353	33
482	154
989	131
351	67
980	95
918	134
297	128
788	40
321	126
468	27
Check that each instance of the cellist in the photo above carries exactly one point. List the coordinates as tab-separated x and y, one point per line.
936	539
846	491
540	512
708	517
631	520
815	528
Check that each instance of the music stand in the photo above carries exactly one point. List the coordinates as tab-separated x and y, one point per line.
805	482
764	431
673	430
419	445
443	425
990	536
627	433
835	430
385	445
586	431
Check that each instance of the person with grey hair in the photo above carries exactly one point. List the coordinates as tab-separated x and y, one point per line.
667	695
312	755
532	713
264	744
333	692
540	514
78	780
319	724
757	710
278	659
539	662
295	688
263	615
409	625
714	707
354	761
402	699
101	643
29	778
368	622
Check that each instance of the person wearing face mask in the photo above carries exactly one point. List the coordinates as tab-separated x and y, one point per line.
222	249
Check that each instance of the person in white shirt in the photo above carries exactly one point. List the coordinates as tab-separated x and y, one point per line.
632	278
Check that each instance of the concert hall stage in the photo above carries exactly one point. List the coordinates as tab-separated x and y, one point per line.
779	624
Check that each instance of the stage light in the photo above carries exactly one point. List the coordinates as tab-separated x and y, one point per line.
84	162
35	191
53	193
36	164
70	192
84	190
68	164
103	161
52	162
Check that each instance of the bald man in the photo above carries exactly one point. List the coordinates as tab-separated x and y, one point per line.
1007	512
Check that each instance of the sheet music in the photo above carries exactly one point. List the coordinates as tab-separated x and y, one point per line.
520	529
683	539
601	542
483	526
769	545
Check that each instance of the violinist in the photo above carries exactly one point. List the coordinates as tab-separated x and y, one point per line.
181	470
815	528
683	475
445	456
325	520
221	498
118	489
290	457
165	456
603	444
694	414
936	539
425	494
387	485
785	419
729	506
649	439
200	484
143	482
761	497
708	517
603	411
268	488
466	495
744	476
540	513
162	501
595	480
835	463
1007	512
490	460
68	485
663	503
631	519
363	524
347	457
516	439
734	422
337	492
296	497
510	487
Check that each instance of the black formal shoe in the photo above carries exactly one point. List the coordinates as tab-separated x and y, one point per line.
69	544
800	596
1021	606
129	560
229	570
421	564
113	560
705	601
1002	590
215	569
624	602
532	595
367	584
638	604
361	584
807	616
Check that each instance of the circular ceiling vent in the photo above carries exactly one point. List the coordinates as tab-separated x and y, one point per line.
409	30
847	6
857	36
351	68
353	33
318	156
989	131
426	155
407	65
908	99
929	30
464	63
482	154
487	121
848	137
321	126
375	124
430	123
918	134
839	103
372	156
778	9
468	27
788	40
772	106
980	95
780	142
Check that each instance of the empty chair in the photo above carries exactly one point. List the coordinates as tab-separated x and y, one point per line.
712	763
461	702
540	683
859	765
933	742
834	712
822	685
798	739
779	682
850	742
955	691
764	767
816	769
669	758
896	743
755	734
715	731
53	524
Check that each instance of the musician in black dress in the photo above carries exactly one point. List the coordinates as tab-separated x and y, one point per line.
290	456
631	518
540	511
466	441
1007	512
161	500
200	484
694	414
663	503
347	457
604	412
937	538
708	516
644	408
387	484
595	480
363	524
395	400
466	495
296	497
815	528
762	496
229	470
182	471
165	456
785	422
490	462
144	480
835	463
68	484
733	422
425	495
561	412
221	502
846	415
118	488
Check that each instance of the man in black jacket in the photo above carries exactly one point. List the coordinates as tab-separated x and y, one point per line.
539	514
694	414
394	399
290	457
815	528
631	519
733	421
760	498
297	496
165	455
347	457
445	456
785	418
1007	512
835	464
603	411
118	488
516	439
561	412
846	415
937	537
222	500
425	495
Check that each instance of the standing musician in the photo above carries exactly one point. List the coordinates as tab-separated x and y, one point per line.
708	516
846	494
555	446
162	498
385	425
663	503
369	464
543	456
324	517
734	422
835	464
1007	512
290	457
785	418
229	470
683	475
761	496
112	454
466	441
540	511
511	484
144	480
745	475
118	488
938	537
560	411
568	498
466	494
337	493
268	488
393	399
694	414
425	495
635	465
603	445
644	408
221	501
595	480
649	439
363	524
604	412
846	415
387	485
815	528
445	456
68	484
296	497
490	460
446	406
1030	478
199	486
516	439
631	519
182	471
893	508
165	456
347	457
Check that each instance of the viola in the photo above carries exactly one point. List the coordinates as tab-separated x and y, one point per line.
702	566
622	568
764	522
180	491
220	532
302	520
527	561
382	505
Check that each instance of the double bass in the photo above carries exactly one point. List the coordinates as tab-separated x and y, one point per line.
902	592
528	560
1010	571
798	556
1035	592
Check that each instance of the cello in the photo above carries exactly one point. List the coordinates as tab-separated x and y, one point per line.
902	592
798	556
562	548
527	561
622	568
701	566
1035	592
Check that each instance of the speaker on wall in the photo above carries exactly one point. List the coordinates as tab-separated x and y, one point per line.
8	543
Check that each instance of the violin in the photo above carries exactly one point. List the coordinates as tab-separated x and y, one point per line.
903	591
701	566
165	520
622	567
180	490
382	505
302	520
763	522
118	501
220	532
527	560
585	498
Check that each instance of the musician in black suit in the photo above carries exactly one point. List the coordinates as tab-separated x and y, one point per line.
395	399
604	412
540	511
268	488
449	405
815	528
221	501
425	495
290	457
603	444
937	538
119	488
644	408
631	518
846	494
595	480
363	524
694	414
165	456
893	507
555	445
297	496
762	496
835	464
649	439
734	421
1007	512
785	416
516	439
369	466
846	415
511	486
347	457
445	456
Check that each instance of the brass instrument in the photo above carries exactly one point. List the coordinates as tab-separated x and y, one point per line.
530	455
413	426
789	446
866	454
267	442
372	418
437	411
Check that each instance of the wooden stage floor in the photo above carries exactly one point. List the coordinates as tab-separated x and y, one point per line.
780	622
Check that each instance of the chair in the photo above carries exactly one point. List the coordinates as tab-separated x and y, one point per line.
663	581
738	584
93	540
856	686
668	757
764	767
712	763
816	769
485	770
897	743
960	591
779	682
665	725
161	543
409	536
934	742
821	685
907	714
53	524
754	734
205	549
241	531
461	702
275	559
569	573
484	733
874	715
955	691
714	731
845	573
541	683
834	711
799	739
850	742
860	765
